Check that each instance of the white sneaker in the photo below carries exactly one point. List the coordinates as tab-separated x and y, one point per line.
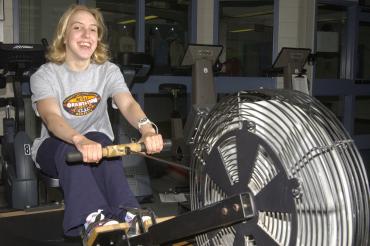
132	220
94	220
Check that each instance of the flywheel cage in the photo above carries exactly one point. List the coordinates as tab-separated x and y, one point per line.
304	171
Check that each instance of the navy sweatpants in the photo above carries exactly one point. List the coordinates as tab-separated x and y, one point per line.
86	187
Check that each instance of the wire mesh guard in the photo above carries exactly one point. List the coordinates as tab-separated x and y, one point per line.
306	175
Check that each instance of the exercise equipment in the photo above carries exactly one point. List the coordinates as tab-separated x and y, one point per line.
202	59
135	67
305	174
128	149
117	150
19	61
177	135
109	235
284	156
271	167
292	61
176	230
152	233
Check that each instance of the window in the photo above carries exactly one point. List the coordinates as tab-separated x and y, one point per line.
120	19
365	3
166	33
363	51
38	19
246	32
331	24
362	115
334	104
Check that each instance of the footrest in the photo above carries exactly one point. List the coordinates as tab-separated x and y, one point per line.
109	235
106	235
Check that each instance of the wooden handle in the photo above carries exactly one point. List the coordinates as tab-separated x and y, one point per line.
122	149
118	150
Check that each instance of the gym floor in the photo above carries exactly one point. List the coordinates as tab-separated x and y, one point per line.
42	225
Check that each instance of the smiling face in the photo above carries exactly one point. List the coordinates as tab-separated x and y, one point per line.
81	37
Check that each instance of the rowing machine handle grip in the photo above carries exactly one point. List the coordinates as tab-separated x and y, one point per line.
77	156
167	145
74	157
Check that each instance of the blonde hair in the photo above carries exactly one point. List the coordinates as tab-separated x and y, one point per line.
57	50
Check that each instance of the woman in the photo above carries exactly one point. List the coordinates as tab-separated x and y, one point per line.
70	95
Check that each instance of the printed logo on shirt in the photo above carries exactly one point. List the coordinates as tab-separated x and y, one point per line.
81	103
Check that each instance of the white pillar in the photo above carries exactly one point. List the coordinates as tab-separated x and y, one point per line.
296	23
205	13
6	26
297	26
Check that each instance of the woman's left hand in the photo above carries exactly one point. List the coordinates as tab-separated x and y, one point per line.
153	142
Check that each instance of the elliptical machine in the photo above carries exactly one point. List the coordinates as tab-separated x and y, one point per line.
135	67
18	62
202	58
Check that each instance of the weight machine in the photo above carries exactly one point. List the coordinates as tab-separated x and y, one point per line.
18	62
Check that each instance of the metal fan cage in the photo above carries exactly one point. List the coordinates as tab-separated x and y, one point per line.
305	173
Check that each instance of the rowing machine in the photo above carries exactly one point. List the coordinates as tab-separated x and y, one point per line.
290	159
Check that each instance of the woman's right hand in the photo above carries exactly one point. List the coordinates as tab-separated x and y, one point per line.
90	150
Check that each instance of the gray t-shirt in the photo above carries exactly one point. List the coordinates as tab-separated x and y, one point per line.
82	96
